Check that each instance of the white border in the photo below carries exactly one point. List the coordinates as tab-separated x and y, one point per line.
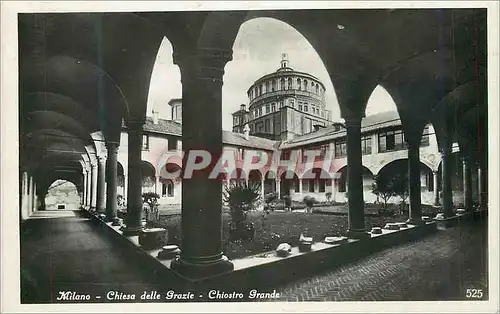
10	301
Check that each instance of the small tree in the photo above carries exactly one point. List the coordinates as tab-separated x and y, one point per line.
328	196
152	213
288	201
383	189
309	201
400	188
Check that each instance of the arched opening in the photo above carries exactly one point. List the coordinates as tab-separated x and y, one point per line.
289	183
341	183
457	179
254	177
269	182
400	167
62	195
148	177
165	83
316	182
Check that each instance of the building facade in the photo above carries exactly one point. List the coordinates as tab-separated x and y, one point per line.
284	104
288	170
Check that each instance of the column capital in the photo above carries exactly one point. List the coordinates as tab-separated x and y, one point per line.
353	121
203	64
101	159
135	124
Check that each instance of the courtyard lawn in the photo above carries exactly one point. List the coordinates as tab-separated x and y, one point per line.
278	227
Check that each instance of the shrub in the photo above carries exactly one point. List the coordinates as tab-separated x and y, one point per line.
309	201
287	200
241	197
270	197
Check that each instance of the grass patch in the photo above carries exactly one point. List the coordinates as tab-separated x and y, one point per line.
278	227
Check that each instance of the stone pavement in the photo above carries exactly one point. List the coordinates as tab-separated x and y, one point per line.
440	267
63	251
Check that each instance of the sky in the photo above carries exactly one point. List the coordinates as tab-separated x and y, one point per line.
257	51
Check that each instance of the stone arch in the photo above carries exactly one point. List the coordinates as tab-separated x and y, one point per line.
289	181
62	191
341	178
148	175
225	30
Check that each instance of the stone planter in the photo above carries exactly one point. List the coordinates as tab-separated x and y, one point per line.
169	252
335	240
391	226
376	230
305	246
153	238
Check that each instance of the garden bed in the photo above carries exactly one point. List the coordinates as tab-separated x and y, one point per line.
278	227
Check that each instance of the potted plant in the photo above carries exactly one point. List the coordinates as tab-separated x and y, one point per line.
241	197
328	196
152	237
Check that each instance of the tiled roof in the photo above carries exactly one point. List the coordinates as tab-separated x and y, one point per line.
369	123
171	127
238	139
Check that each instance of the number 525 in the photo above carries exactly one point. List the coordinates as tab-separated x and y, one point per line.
474	293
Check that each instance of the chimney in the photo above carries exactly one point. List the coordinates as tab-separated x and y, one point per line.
155	116
246	131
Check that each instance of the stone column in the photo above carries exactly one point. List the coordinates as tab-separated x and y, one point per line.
33	199
262	193
29	195
300	187
24	194
480	187
101	181
133	223
467	182
93	186
83	201
88	189
111	182
436	188
356	216
415	215
125	183
334	190
201	75
446	173
278	188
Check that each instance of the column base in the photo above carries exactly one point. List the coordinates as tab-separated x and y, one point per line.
115	221
415	221
202	269
358	234
131	231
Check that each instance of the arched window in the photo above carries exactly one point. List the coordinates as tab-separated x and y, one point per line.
305	85
282	83
256	91
299	84
261	89
290	83
317	89
268	86
274	85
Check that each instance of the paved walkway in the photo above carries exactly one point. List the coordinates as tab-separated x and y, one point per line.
63	251
439	267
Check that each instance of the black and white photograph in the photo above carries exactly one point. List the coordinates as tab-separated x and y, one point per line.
166	156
